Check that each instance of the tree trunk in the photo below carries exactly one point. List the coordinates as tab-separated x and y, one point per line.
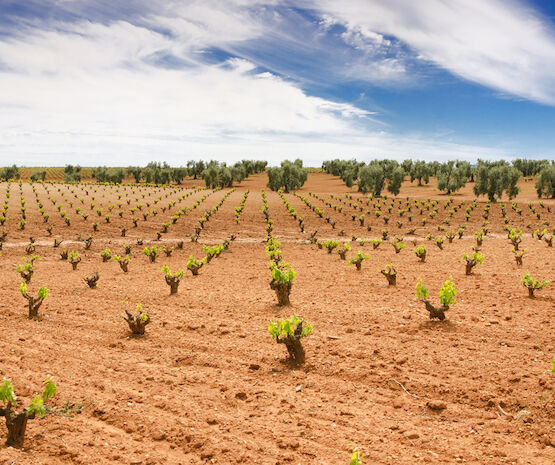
136	324
531	292
282	292
391	279
34	305
16	424
438	313
173	282
294	348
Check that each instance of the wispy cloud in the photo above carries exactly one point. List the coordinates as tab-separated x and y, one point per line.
501	44
103	82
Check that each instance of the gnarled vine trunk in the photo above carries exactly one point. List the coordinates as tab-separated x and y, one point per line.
391	278
468	267
294	348
282	291
173	282
34	305
16	424
435	312
136	324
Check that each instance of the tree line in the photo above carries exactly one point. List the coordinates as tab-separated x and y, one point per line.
491	178
213	173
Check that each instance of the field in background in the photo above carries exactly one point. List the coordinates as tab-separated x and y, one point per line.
411	189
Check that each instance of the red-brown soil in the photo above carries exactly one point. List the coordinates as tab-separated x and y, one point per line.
207	384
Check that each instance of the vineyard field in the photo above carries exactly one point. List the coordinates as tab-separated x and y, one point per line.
207	383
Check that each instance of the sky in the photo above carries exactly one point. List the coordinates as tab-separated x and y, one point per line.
125	82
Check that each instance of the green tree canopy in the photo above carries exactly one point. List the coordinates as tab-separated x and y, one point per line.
494	178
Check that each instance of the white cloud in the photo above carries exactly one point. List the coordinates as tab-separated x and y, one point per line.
84	89
109	92
500	44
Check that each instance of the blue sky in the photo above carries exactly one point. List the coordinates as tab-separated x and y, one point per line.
125	82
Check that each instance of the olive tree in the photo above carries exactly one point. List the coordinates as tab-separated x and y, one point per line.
371	179
395	180
451	176
217	176
289	176
421	171
10	172
545	184
136	172
494	178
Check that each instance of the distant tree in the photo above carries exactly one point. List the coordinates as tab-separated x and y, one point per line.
529	167
421	171
349	175
157	173
117	176
216	175
72	173
494	178
199	167
545	184
407	166
347	170
260	166
289	176
100	174
371	179
10	172
274	178
225	177
111	175
136	171
240	171
178	174
248	166
451	177
195	168
389	166
210	176
38	176
148	175
333	167
465	168
433	167
395	180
